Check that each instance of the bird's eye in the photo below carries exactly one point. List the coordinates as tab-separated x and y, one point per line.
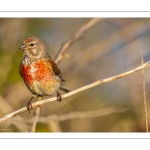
32	44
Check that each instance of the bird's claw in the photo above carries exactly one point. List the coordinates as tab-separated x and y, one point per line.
29	106
59	98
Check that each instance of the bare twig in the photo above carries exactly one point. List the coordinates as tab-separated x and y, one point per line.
145	65
111	43
144	94
86	114
3	105
80	115
79	34
36	114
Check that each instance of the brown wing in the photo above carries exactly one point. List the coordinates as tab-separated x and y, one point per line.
55	68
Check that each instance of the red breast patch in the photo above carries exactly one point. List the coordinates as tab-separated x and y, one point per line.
43	72
25	72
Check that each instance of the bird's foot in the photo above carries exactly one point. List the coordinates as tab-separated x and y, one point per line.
29	104
59	98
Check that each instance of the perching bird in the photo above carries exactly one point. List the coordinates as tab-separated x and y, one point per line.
38	70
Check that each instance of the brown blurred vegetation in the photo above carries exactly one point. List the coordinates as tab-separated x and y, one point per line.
111	47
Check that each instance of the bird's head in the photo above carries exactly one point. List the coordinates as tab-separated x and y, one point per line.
34	48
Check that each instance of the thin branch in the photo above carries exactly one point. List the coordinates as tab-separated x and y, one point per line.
111	43
36	114
86	114
80	115
39	103
3	105
144	94
79	34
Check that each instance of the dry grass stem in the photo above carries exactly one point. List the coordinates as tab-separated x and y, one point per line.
144	94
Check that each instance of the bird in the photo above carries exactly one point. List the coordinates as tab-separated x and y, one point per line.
40	73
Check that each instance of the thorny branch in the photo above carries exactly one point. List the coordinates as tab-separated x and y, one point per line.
39	103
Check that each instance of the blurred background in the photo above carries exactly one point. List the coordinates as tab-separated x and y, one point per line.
111	47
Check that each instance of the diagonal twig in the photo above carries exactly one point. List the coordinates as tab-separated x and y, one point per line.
3	105
145	65
79	34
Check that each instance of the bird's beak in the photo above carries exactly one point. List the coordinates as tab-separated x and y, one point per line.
22	47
